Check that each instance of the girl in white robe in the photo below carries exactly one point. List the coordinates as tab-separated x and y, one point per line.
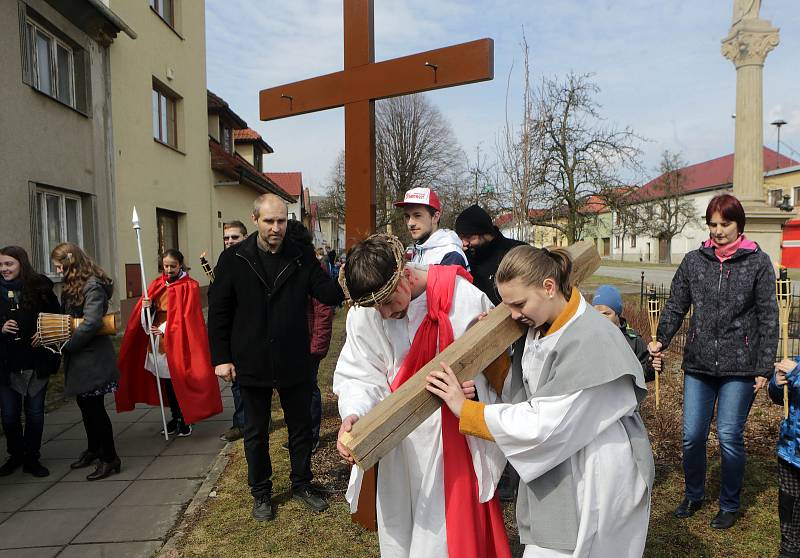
410	491
573	430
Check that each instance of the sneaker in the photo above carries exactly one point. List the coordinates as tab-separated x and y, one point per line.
11	465
311	500
36	469
172	427
262	509
234	433
184	429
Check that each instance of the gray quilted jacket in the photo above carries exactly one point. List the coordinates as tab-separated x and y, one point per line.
733	330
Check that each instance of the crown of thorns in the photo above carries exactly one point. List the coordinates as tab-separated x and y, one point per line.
377	297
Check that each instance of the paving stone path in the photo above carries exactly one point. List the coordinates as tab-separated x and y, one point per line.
125	516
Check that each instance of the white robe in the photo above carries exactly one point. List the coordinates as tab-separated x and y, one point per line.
536	435
160	358
410	496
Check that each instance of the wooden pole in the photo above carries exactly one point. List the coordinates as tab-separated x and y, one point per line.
653	315
783	292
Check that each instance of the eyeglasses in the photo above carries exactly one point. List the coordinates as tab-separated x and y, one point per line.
231	237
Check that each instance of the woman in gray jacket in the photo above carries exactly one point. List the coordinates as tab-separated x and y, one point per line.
729	353
90	365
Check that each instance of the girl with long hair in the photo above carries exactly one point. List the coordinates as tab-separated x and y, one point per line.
572	430
24	369
90	370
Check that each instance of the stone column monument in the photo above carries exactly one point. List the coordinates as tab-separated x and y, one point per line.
749	41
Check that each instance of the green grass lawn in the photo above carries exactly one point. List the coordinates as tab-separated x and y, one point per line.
223	527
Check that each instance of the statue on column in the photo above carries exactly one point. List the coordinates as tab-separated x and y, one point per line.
745	9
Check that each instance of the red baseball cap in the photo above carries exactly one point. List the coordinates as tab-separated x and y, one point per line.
420	196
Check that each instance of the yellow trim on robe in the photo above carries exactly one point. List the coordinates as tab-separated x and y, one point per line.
566	313
497	371
472	422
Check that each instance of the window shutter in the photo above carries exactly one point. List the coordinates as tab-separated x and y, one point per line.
24	45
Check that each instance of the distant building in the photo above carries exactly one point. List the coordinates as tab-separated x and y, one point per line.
56	162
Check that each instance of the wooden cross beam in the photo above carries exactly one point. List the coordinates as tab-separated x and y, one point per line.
394	418
358	86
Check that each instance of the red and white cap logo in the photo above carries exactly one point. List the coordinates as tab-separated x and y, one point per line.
421	196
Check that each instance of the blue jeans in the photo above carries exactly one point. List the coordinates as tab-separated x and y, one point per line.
23	446
238	406
734	396
316	400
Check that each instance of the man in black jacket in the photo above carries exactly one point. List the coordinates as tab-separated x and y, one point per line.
485	247
258	334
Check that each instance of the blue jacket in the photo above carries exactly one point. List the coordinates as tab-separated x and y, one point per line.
789	440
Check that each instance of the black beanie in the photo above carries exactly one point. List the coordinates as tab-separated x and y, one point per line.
473	220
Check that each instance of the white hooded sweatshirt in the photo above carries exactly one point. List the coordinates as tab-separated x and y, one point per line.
441	243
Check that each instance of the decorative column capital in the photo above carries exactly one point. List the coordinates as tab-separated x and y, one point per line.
749	42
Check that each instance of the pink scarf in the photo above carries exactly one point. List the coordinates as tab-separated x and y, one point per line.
474	530
726	251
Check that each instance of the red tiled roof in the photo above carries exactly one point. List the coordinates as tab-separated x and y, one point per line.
716	173
248	135
234	166
291	182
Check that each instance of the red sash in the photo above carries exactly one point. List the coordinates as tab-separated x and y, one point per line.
474	530
186	347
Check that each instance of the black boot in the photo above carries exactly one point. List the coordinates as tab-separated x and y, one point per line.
105	470
33	467
724	520
687	508
11	465
86	459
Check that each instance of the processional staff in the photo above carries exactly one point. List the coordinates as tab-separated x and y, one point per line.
783	292
653	315
149	319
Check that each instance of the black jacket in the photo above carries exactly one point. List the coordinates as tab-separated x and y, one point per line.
484	261
733	330
263	329
19	355
639	348
90	362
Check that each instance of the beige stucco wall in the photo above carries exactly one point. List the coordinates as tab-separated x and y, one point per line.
150	175
232	202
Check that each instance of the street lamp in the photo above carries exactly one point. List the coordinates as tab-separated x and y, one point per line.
778	123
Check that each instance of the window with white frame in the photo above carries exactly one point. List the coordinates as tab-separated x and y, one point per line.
616	241
633	241
796	191
51	63
60	220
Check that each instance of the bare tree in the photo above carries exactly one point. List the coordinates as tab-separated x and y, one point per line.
333	203
669	210
581	155
518	171
625	213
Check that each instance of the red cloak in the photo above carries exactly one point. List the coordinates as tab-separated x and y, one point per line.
186	346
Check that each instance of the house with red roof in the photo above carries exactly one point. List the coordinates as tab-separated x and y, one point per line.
237	169
292	184
700	182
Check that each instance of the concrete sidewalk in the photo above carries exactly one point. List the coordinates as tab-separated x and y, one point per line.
126	515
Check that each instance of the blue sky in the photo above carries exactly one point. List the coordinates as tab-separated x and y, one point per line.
658	65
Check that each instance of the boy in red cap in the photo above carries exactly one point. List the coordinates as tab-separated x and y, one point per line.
432	245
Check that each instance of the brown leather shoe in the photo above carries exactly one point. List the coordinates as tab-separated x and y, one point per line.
105	470
85	459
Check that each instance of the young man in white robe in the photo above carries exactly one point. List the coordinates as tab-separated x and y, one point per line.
392	302
573	431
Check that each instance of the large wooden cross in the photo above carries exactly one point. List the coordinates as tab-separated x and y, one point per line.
359	85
